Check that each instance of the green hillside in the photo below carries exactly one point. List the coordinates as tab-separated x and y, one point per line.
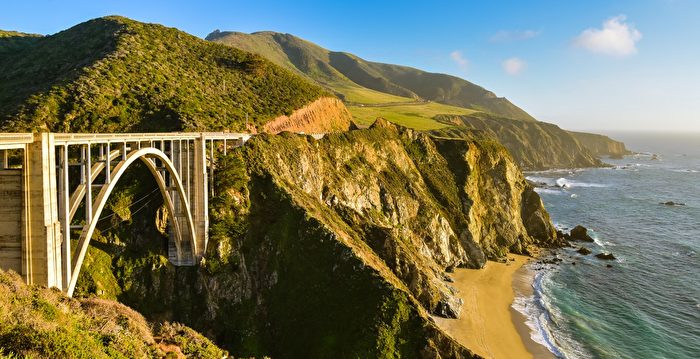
417	115
306	59
358	80
13	40
116	74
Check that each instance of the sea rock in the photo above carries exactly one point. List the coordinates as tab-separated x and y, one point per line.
605	256
580	233
583	250
671	203
609	266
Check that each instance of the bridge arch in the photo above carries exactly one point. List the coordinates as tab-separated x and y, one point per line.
147	156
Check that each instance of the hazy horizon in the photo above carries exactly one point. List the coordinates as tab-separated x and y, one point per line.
627	66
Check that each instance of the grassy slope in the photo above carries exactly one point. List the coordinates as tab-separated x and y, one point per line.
306	59
116	74
417	115
359	80
43	323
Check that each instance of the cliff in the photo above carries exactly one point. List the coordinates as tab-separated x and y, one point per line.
601	145
533	145
338	246
327	114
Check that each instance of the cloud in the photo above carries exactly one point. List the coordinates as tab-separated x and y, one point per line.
513	66
616	38
460	60
510	36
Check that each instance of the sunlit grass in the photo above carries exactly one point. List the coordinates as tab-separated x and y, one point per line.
414	115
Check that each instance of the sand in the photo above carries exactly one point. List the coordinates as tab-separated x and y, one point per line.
487	324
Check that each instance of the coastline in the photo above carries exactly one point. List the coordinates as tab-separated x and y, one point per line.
488	324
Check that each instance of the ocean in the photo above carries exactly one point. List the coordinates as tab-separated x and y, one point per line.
648	304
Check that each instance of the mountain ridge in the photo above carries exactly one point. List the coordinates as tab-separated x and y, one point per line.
334	69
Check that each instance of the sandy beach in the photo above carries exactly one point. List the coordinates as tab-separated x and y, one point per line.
487	324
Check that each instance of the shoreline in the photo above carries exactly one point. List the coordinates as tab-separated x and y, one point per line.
488	324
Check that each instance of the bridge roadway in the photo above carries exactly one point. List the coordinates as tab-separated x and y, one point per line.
52	184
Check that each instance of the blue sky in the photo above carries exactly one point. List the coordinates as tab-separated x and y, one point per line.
591	65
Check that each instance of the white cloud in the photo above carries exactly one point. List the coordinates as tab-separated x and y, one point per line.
509	36
460	60
616	38
514	66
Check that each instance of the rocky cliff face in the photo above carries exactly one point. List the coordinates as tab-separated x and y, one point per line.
601	145
533	145
341	245
327	114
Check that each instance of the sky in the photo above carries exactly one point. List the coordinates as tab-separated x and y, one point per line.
584	65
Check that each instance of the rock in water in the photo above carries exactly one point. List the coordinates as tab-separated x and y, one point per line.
580	233
583	250
671	203
605	256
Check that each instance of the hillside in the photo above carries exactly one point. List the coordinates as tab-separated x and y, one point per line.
424	101
601	145
115	74
352	77
533	145
43	323
13	40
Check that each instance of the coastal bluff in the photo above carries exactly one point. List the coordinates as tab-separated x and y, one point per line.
359	226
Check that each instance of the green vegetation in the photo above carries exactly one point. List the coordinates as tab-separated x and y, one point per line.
306	59
115	74
358	81
42	323
533	145
13	40
417	115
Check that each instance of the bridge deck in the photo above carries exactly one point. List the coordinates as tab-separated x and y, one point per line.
19	140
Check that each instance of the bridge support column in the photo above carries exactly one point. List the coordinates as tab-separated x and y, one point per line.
199	195
41	231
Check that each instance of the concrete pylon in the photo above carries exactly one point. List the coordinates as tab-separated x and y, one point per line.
41	230
199	195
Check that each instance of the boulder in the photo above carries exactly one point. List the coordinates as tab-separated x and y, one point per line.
583	250
671	203
580	233
605	256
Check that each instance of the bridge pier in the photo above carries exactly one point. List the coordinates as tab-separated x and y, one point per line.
41	229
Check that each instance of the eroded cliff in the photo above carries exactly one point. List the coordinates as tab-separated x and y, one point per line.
533	145
327	114
601	145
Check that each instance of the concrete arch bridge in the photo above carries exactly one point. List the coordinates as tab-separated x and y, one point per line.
42	198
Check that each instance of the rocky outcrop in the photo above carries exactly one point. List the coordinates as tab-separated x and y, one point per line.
533	145
605	256
583	251
601	145
326	114
580	233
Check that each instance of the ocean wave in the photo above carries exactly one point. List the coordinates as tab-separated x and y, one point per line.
685	171
539	190
537	317
567	183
